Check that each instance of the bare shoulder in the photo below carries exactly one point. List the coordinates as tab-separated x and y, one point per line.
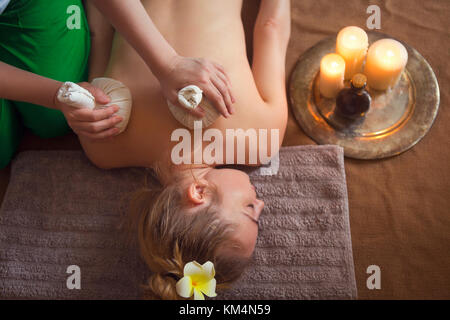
108	153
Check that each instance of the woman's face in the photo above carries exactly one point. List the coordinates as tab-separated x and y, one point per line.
239	203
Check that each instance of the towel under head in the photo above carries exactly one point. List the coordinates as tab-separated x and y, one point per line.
71	212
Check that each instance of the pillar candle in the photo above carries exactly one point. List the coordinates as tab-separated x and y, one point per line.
386	61
331	78
352	44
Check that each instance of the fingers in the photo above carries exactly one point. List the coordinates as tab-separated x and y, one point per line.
99	95
218	91
87	115
226	79
95	124
197	112
101	135
219	82
215	97
209	76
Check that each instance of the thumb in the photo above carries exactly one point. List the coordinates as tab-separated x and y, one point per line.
172	97
99	95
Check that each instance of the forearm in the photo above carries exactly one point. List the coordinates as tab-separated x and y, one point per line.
20	85
271	37
274	23
131	20
102	34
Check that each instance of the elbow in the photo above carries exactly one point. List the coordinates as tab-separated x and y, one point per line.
275	15
97	160
269	25
274	28
100	164
272	24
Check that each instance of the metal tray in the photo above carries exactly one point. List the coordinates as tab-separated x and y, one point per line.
397	120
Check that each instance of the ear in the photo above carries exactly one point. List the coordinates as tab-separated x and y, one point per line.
197	192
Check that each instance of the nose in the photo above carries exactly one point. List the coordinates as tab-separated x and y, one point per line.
259	207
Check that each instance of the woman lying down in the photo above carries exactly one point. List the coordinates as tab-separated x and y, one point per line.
200	213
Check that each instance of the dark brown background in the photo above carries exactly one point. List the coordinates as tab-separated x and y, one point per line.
399	207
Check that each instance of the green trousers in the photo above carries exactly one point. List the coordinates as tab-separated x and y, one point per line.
50	38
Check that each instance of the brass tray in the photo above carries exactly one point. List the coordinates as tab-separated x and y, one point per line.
397	119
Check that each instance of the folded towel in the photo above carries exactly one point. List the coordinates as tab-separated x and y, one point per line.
60	210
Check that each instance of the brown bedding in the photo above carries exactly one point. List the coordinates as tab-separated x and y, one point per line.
399	207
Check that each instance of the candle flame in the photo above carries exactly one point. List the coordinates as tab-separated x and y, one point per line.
389	57
390	53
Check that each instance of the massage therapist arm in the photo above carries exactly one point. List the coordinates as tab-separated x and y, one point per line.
172	70
20	85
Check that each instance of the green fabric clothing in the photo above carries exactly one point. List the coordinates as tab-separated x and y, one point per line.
44	37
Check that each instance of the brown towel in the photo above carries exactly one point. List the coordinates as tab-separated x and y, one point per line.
60	210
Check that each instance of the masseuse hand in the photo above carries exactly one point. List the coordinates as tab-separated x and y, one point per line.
92	124
205	74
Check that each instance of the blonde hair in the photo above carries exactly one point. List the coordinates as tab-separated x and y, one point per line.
169	238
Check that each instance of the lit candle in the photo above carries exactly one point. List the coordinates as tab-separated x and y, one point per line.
386	61
352	44
331	79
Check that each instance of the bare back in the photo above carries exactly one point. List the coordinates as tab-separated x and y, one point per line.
210	29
